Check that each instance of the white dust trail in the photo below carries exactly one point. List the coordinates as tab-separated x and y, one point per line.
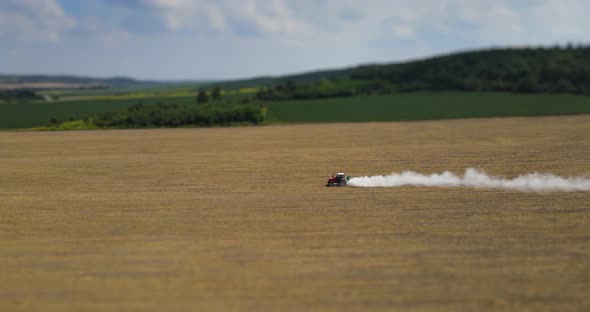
536	182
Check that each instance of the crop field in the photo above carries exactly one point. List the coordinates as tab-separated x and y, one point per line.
423	106
29	115
398	107
239	219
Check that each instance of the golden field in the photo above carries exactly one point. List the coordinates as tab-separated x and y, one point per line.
238	219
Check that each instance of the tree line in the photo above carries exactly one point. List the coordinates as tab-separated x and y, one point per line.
563	70
177	115
172	115
18	95
525	70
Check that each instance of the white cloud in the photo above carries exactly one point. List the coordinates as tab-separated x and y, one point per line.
562	19
233	38
402	31
113	39
355	31
33	20
473	22
270	17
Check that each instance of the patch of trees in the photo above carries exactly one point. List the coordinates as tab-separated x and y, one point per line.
18	95
176	115
529	70
324	88
302	78
203	95
280	91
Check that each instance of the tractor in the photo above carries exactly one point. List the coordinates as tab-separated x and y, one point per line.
339	179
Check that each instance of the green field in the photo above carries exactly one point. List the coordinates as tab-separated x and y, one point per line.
28	115
422	106
398	107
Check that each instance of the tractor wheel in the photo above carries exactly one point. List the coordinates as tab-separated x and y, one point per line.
342	182
330	183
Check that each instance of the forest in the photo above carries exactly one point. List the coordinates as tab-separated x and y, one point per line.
528	70
556	70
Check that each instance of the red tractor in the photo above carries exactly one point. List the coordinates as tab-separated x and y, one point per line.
339	179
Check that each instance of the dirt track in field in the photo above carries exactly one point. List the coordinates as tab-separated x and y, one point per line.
238	219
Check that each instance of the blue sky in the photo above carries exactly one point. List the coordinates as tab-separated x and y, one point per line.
221	39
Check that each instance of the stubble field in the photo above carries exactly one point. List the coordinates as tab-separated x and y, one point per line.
238	219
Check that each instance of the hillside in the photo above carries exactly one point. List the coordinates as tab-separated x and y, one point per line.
61	82
519	70
306	77
546	70
45	82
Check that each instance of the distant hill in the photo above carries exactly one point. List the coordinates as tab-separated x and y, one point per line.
60	82
305	77
520	70
529	70
43	82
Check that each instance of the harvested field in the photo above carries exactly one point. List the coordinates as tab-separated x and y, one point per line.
238	219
